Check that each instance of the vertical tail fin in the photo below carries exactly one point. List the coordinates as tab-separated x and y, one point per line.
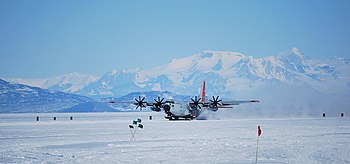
203	92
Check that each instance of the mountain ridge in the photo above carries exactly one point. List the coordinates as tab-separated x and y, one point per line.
18	98
221	69
69	83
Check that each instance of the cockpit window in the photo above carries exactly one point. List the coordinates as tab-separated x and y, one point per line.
170	101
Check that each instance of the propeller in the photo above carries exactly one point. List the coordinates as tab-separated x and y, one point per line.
158	103
215	102
139	103
196	102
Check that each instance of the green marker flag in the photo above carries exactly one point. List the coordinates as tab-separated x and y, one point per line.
133	127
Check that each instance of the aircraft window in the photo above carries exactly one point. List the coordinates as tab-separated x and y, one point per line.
169	101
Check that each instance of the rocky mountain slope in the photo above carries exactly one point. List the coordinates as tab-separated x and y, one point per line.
18	98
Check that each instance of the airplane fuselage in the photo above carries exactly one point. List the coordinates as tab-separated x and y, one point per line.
181	110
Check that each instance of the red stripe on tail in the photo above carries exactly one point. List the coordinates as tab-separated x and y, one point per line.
203	92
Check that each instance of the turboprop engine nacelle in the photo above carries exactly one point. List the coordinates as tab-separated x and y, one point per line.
156	109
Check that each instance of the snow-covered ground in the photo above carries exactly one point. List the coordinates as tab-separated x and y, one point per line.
105	138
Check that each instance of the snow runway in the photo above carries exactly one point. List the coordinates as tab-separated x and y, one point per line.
104	138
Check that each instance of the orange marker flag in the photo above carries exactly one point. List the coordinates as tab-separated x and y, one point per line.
259	131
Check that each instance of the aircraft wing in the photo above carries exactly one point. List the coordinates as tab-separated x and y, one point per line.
125	102
130	102
141	103
223	104
235	102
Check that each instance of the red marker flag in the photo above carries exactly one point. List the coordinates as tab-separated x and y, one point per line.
259	131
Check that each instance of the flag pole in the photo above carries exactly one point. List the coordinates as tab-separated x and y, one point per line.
131	135
257	145
257	150
134	134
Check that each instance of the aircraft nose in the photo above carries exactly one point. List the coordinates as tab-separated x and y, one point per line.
167	108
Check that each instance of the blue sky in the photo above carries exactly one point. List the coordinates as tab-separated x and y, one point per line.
44	38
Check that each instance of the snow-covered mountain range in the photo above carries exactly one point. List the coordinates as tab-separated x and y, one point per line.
227	73
70	82
288	81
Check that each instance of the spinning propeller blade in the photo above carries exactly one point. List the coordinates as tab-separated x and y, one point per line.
215	101
140	103
196	102
158	103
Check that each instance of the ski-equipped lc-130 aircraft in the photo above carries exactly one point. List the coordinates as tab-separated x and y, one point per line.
186	110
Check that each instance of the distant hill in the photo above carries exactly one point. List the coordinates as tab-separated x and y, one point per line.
90	107
18	98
